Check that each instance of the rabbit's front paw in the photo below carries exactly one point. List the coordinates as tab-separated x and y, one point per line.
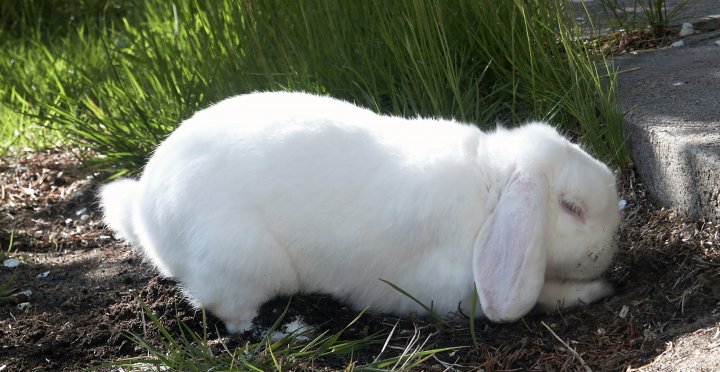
564	294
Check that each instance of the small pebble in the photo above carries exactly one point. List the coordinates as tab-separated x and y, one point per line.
11	262
678	43
686	29
24	306
624	311
717	42
43	274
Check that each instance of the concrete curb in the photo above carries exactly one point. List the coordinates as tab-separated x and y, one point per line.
673	123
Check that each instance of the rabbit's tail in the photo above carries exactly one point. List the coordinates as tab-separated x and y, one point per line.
117	200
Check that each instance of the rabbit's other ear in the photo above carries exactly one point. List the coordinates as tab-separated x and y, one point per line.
509	256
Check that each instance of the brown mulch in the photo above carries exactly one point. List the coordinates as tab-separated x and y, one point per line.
85	287
623	42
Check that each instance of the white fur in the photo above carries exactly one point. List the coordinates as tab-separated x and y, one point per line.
278	193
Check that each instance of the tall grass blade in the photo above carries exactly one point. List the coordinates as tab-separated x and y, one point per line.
429	310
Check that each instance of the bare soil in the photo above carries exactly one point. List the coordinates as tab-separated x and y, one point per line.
85	287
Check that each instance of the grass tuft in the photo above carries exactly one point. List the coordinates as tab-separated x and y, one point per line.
120	82
191	351
651	14
427	308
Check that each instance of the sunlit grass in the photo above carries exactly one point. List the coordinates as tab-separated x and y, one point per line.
121	83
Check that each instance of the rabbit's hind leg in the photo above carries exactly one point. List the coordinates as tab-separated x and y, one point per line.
240	273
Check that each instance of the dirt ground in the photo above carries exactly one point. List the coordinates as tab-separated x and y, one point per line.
84	287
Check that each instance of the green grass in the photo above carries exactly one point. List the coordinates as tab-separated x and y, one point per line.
302	349
9	251
652	14
120	81
38	37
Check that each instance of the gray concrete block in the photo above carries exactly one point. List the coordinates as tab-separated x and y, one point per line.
673	125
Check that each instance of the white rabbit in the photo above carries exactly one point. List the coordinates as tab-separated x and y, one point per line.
270	194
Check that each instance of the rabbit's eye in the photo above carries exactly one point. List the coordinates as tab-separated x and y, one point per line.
573	209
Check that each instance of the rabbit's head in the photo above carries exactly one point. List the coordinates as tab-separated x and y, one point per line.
583	216
556	219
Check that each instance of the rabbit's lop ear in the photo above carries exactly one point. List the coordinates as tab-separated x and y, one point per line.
509	256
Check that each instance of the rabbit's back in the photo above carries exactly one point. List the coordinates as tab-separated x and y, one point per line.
342	195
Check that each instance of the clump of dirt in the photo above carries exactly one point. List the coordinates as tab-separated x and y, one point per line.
85	290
